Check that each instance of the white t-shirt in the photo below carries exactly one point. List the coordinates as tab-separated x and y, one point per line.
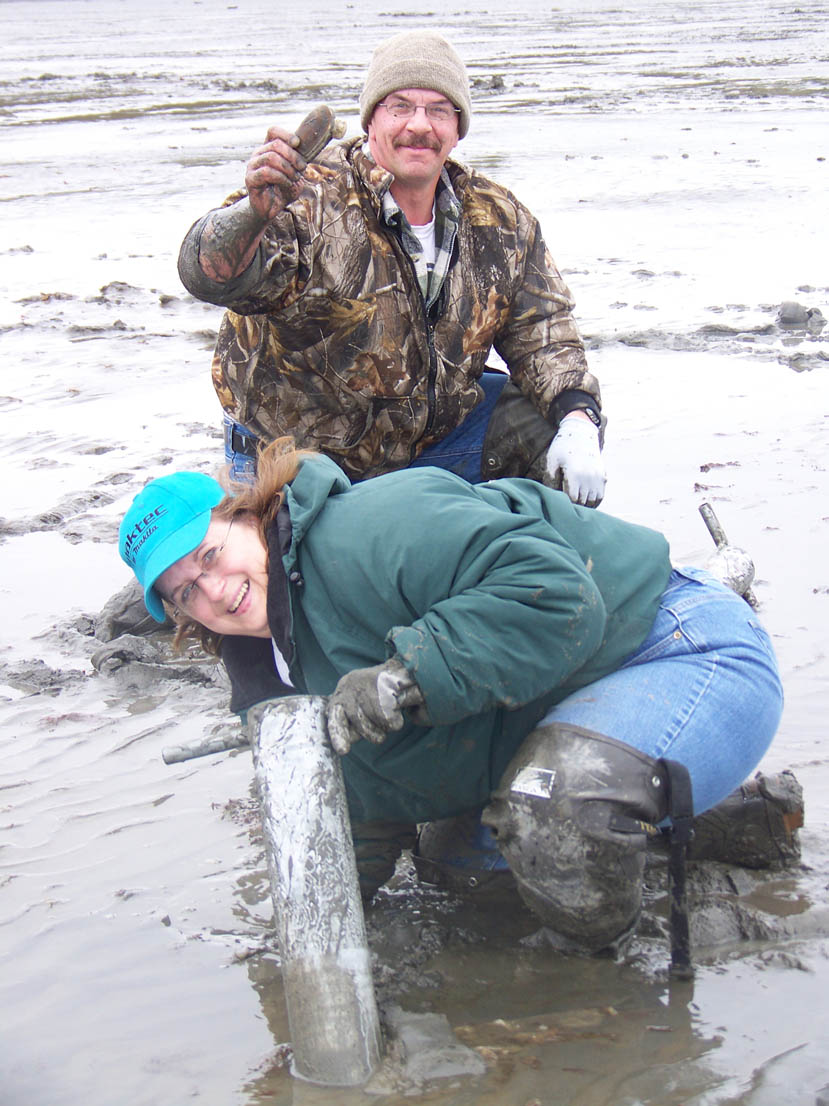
426	237
281	665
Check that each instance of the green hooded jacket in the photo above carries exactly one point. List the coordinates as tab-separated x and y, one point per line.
500	598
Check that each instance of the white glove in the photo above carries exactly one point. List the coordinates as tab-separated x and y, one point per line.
733	567
574	460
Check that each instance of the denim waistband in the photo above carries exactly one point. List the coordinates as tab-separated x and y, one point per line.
238	439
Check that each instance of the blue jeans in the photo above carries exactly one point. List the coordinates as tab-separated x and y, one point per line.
703	688
459	452
242	466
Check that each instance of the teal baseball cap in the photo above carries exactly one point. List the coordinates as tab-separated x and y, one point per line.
167	520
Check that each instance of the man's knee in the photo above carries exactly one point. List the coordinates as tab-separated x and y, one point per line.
572	815
517	438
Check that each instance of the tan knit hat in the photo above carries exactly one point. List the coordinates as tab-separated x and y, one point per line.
416	59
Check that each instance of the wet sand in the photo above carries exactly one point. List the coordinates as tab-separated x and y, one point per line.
676	159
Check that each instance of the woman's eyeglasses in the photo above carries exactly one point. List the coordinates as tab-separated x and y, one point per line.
209	562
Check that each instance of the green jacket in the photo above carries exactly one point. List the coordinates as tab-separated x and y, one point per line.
327	337
500	598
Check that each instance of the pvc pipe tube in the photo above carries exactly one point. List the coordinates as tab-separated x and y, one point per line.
175	754
332	1011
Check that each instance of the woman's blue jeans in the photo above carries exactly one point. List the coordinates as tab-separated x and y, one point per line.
703	688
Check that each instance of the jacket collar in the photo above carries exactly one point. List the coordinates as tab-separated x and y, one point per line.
377	180
279	600
318	478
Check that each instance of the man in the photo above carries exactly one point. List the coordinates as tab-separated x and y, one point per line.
366	290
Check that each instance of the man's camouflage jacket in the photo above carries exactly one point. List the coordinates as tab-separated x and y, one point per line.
326	336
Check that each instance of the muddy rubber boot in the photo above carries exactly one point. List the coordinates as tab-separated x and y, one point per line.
459	854
572	815
377	846
753	827
125	613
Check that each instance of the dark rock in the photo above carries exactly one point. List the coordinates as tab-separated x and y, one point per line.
36	677
791	313
143	661
124	650
125	613
495	82
795	316
428	1048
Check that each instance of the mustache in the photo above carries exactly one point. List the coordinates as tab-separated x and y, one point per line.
426	143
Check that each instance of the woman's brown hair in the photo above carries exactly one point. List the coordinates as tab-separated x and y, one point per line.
277	464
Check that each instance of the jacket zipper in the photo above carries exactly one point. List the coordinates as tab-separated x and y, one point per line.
431	378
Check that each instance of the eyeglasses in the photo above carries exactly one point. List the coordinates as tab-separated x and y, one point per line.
440	112
209	562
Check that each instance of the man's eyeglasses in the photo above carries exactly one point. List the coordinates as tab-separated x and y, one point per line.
440	112
208	562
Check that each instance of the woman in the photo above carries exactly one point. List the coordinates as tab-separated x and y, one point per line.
489	640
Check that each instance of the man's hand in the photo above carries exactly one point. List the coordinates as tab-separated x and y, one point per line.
369	702
574	460
273	172
231	235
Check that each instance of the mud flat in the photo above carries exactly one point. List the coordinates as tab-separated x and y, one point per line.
676	157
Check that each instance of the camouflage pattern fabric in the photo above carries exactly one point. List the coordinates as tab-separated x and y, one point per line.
327	337
447	213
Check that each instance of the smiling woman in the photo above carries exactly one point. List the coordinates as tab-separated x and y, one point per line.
203	552
526	638
222	586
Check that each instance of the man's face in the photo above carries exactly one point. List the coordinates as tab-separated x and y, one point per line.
413	149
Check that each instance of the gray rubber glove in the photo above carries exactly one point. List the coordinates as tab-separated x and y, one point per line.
575	457
369	702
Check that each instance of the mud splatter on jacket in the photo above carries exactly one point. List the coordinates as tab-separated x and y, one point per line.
327	337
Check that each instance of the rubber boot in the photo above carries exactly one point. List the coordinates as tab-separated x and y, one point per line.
755	826
459	854
377	846
572	816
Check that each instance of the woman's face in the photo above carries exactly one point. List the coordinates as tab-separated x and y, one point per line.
223	583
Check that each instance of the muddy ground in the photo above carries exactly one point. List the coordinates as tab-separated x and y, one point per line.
676	156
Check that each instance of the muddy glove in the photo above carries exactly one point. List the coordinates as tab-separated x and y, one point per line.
733	567
574	456
368	702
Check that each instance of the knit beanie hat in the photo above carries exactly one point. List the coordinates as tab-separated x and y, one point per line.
416	59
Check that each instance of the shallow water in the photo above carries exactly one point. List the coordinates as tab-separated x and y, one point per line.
675	155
